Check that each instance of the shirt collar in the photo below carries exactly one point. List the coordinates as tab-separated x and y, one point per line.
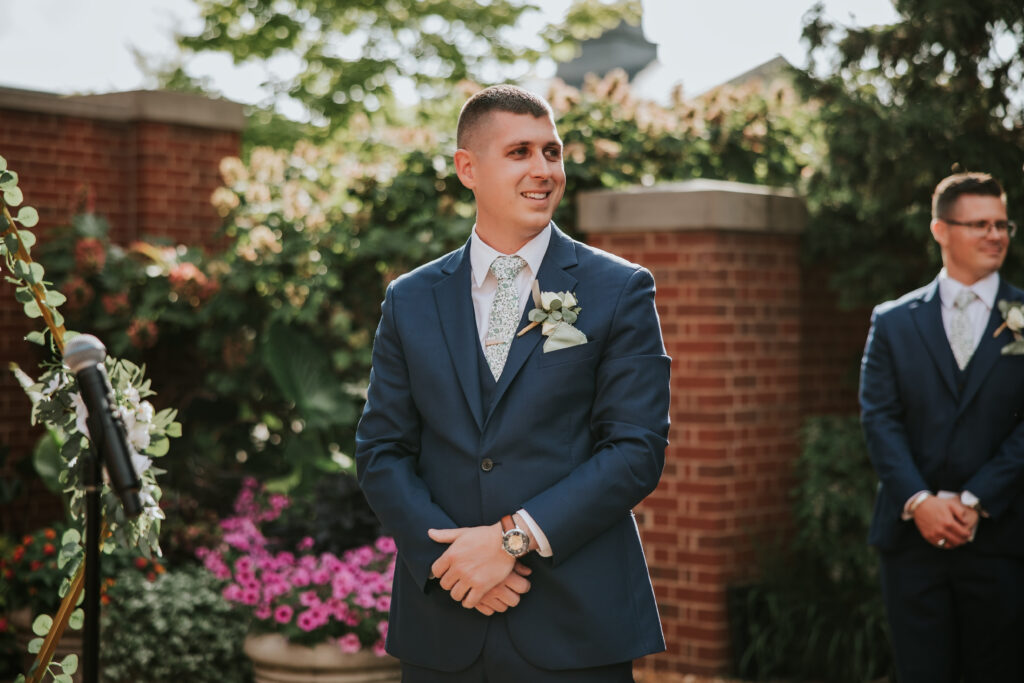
986	288
482	255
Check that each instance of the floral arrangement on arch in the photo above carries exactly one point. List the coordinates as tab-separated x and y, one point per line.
305	596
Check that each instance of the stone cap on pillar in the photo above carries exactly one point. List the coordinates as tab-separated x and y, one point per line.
161	106
693	205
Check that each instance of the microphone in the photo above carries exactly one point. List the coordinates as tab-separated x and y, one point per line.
84	354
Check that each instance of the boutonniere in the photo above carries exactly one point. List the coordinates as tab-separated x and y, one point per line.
555	312
1013	319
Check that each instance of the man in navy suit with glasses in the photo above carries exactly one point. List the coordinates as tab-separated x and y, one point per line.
942	408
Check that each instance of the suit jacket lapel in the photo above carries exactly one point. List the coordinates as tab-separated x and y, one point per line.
552	277
988	350
454	300
927	316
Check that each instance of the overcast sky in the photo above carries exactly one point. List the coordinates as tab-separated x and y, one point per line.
84	46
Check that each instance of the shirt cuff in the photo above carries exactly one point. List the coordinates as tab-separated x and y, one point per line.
912	503
543	547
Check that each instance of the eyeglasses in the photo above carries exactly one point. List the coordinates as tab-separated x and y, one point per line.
980	228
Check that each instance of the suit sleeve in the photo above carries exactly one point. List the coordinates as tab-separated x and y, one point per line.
998	482
629	419
882	415
387	450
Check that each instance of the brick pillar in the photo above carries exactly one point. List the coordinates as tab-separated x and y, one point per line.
725	258
149	161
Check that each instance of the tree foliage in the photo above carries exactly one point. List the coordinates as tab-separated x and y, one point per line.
902	106
343	57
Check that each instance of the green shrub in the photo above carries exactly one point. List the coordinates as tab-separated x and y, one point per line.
817	612
177	628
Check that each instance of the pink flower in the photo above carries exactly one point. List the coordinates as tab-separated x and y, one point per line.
385	544
349	643
283	614
306	543
379	649
382	629
263	612
307	620
309	598
383	603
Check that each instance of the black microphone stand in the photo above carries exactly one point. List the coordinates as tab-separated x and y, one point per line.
92	479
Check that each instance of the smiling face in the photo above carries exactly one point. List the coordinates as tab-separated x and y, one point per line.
967	256
513	164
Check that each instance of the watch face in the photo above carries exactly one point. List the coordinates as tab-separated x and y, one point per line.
515	542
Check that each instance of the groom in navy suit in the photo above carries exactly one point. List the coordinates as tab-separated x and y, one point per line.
506	458
942	409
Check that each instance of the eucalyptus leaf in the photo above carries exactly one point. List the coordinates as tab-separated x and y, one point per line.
37	272
174	430
13	196
77	618
55	298
569	316
35	645
42	624
63	678
158	447
537	315
28	239
3	164
28	217
32	309
8	179
1013	349
11	242
36	338
69	663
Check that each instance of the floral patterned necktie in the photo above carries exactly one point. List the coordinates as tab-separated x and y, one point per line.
504	316
961	337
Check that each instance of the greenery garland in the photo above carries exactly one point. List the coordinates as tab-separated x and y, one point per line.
57	405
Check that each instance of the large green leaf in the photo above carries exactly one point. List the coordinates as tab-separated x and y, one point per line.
302	372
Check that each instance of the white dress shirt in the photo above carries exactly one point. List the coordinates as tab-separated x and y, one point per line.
484	287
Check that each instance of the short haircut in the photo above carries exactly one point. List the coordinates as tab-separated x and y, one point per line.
960	184
507	98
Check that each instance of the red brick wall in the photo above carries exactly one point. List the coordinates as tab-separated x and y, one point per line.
147	177
730	311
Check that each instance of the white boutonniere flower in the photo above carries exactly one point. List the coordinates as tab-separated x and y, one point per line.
556	312
1013	319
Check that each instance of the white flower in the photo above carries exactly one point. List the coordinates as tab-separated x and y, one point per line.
145	412
1015	319
141	463
568	300
56	382
81	415
131	395
260	433
136	430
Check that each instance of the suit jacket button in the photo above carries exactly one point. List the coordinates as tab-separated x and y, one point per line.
487	465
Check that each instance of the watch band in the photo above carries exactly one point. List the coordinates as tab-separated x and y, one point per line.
506	523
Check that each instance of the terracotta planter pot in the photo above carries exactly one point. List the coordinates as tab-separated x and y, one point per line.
275	660
70	642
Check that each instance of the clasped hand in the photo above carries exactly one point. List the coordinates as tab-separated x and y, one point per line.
476	571
945	522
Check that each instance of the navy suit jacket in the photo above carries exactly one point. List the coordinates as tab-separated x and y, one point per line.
928	428
576	437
